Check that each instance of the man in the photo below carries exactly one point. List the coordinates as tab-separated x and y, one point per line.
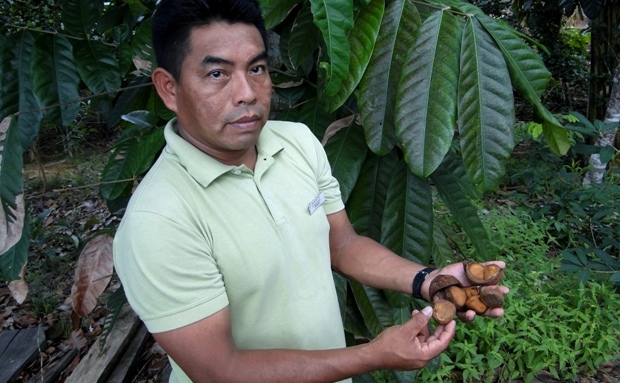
228	244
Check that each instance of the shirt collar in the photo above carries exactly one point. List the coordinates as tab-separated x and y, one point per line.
204	168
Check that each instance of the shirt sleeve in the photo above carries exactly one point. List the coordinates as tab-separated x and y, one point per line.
151	256
328	184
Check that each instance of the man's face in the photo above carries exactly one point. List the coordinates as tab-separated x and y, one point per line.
223	95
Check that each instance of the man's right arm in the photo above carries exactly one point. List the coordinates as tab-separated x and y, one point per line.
206	352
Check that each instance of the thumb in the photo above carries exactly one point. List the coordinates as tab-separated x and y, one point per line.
419	320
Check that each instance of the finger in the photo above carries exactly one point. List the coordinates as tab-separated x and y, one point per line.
424	333
494	313
447	332
438	330
441	339
501	264
419	321
422	336
466	316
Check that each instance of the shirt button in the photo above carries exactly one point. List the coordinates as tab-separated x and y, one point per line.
236	171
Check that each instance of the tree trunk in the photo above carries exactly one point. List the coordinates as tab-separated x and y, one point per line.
604	48
612	115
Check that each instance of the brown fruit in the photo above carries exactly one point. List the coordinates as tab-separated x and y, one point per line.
474	303
479	297
457	296
491	297
443	311
493	274
475	272
441	282
480	274
471	291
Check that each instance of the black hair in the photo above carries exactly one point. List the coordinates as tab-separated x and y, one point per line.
174	20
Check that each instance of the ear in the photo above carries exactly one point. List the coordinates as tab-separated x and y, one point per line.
166	86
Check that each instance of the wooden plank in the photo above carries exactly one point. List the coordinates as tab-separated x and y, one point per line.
130	357
17	349
51	374
97	366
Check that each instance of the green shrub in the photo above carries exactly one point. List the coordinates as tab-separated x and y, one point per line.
551	322
584	220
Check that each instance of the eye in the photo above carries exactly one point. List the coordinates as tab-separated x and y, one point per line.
216	74
258	69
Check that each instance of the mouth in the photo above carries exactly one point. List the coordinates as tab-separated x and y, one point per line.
248	122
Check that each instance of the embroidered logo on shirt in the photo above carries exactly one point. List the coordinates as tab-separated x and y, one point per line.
316	203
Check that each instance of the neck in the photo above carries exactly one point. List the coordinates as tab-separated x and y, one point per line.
245	157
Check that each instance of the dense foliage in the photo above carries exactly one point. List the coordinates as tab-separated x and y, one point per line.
410	99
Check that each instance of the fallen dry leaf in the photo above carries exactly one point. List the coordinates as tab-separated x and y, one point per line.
335	126
92	274
19	287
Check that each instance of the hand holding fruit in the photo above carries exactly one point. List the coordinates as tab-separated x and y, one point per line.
466	289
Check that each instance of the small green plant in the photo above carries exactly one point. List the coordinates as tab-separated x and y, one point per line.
583	219
581	129
547	326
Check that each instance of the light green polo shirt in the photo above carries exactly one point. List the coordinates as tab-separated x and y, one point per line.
199	235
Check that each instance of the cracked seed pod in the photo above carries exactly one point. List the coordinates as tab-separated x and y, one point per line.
471	291
474	303
480	274
440	283
492	298
456	295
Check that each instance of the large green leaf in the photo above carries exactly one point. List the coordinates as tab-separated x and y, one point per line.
98	67
486	108
592	8
274	11
377	96
362	41
407	226
142	45
303	39
405	376
55	78
128	161
373	307
340	282
557	137
314	117
367	201
335	19
13	260
442	252
2	42
346	151
13	222
79	17
463	212
529	77
426	101
134	98
354	322
16	91
528	72
11	164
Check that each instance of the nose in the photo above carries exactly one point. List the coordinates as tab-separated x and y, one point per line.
243	90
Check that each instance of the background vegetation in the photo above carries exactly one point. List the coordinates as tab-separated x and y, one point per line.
448	125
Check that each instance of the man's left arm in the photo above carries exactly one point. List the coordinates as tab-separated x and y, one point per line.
368	262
